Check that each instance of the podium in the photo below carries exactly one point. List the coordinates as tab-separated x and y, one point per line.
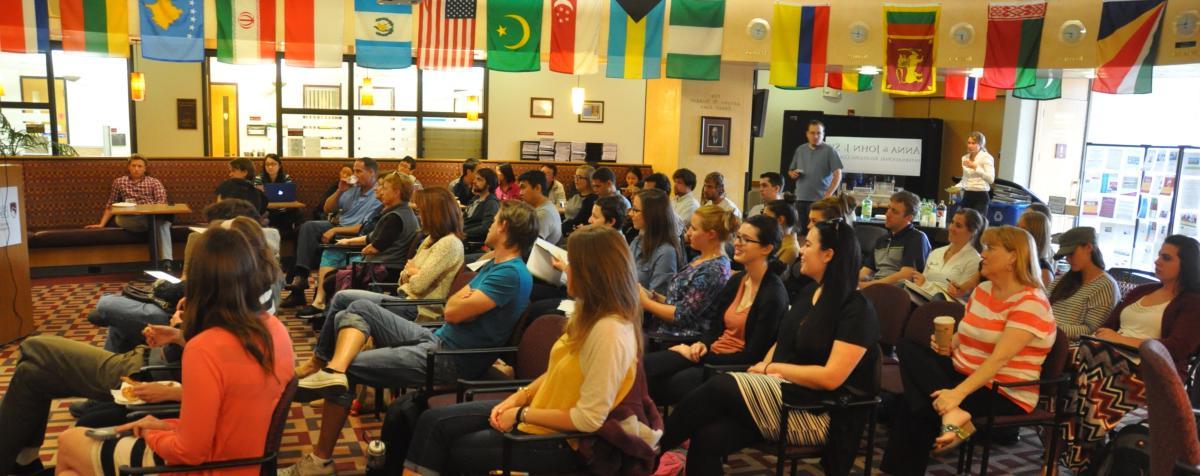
16	298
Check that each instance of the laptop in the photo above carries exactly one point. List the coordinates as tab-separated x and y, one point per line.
280	192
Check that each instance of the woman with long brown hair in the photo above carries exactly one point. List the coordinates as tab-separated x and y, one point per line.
683	309
592	368
237	362
656	250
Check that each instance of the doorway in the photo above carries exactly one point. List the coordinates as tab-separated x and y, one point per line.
223	119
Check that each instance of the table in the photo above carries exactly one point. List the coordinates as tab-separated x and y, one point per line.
153	211
284	205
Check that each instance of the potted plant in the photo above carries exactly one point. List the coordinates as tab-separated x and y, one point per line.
13	142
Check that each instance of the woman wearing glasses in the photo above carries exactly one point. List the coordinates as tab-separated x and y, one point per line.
684	310
656	250
745	316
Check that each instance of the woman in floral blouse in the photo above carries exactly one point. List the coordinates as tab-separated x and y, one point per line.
692	288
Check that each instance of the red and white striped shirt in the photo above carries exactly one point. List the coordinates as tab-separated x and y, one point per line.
986	318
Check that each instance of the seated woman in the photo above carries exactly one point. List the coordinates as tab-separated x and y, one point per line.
789	244
826	344
1037	225
592	368
508	188
750	305
1164	311
656	250
959	261
1005	334
684	309
240	185
582	198
608	211
237	362
633	182
387	242
284	220
1083	298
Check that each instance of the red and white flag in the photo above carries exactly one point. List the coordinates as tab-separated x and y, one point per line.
447	34
961	86
575	35
309	43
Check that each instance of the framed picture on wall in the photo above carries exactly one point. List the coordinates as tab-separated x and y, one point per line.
541	107
593	111
714	135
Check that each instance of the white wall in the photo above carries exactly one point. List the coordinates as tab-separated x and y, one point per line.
509	122
158	135
730	97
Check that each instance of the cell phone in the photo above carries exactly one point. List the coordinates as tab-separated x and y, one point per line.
104	434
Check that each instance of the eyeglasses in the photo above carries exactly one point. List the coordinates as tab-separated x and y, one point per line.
740	238
635	210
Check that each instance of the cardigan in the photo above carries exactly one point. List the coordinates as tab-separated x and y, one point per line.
762	322
1182	340
437	263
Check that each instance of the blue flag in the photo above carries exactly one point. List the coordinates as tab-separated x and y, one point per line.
382	35
172	30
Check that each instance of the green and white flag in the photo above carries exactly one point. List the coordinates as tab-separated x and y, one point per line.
694	38
1043	89
514	35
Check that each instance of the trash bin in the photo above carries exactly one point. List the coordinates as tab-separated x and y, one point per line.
1005	213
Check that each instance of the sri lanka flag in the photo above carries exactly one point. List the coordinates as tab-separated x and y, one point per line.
635	39
24	26
961	86
1128	43
798	46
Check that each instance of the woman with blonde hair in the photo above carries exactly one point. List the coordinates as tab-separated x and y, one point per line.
1004	336
1038	226
592	368
978	174
689	295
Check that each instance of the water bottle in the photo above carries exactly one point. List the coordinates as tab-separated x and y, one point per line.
868	209
376	454
941	214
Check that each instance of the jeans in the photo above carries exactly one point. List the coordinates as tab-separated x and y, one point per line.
459	439
139	224
125	319
308	252
398	359
52	367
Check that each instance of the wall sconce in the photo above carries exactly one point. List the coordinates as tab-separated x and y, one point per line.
1	90
137	86
577	100
472	108
975	73
367	93
868	70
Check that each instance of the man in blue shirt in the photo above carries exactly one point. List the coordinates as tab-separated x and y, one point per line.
480	315
356	202
901	253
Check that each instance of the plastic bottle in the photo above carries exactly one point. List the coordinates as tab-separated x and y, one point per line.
868	209
941	214
376	454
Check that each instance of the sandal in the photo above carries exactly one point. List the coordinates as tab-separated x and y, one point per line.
961	434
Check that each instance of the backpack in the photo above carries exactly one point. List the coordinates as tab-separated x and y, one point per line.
1126	454
397	432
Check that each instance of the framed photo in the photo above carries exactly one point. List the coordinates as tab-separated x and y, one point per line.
714	135
185	114
593	111
541	107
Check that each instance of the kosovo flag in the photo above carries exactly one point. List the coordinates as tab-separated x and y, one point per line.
172	30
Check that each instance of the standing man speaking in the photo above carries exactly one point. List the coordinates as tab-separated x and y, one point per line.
816	168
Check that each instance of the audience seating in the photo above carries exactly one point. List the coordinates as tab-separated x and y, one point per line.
867	236
1174	448
1127	278
893	307
533	357
920	324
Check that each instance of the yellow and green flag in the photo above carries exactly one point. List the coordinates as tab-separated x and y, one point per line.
849	81
96	26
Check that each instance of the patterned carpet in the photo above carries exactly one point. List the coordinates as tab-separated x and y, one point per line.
60	309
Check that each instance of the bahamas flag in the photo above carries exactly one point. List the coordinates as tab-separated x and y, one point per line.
798	45
382	35
96	26
635	39
1127	44
172	30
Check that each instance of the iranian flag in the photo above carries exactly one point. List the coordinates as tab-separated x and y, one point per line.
245	31
575	36
1014	38
309	43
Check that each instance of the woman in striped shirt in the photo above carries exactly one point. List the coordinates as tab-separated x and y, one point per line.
1004	336
1082	298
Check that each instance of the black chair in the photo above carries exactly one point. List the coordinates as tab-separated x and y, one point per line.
867	236
1128	278
266	462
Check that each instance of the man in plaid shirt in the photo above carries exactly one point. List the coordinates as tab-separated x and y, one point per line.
142	190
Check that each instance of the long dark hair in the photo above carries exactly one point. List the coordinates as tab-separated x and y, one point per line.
1065	286
658	224
510	177
225	280
840	280
1189	262
280	177
977	225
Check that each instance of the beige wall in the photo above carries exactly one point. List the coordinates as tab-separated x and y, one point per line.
509	122
730	97
157	134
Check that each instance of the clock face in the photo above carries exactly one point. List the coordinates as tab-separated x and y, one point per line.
859	32
758	28
962	33
1186	24
1072	31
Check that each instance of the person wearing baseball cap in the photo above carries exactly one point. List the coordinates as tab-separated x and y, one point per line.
1082	299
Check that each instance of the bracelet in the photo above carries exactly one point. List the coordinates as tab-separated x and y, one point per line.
521	414
766	370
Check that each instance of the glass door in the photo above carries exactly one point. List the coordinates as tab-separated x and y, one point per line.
1187	206
1109	198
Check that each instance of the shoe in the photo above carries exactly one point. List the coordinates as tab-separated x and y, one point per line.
323	384
961	435
79	409
308	466
309	367
32	468
310	312
295	299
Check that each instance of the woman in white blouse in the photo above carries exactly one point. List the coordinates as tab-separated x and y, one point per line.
978	174
957	262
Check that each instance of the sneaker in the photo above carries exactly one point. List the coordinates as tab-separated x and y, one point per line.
295	299
309	367
323	384
310	312
79	409
308	466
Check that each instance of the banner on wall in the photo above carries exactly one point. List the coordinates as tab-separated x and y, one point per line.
878	155
245	31
24	26
635	39
514	35
695	36
310	43
96	26
1127	45
575	36
172	30
798	45
911	45
1014	38
382	35
447	34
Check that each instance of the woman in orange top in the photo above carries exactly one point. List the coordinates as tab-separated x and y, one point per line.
236	363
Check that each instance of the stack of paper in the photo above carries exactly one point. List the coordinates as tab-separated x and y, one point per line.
541	264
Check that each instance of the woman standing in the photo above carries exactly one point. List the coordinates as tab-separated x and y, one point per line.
508	189
1084	297
689	295
957	262
978	174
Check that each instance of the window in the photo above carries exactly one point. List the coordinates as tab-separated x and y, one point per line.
246	93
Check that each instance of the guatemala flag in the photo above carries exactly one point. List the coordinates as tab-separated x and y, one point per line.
383	35
172	30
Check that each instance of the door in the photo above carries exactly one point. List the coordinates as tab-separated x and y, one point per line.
223	120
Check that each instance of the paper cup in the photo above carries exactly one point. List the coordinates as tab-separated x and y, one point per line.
943	332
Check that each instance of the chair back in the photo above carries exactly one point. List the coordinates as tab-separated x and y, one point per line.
533	351
1172	425
1055	363
461	280
1128	278
279	419
892	306
867	236
920	323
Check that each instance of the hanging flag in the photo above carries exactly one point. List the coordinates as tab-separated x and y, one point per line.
695	38
382	34
24	26
910	44
961	86
308	43
1042	89
514	34
849	81
172	30
245	31
96	26
575	35
635	39
1014	37
447	34
798	45
1127	44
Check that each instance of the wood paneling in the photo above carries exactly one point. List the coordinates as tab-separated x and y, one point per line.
960	119
16	303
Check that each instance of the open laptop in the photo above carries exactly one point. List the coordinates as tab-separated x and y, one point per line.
280	192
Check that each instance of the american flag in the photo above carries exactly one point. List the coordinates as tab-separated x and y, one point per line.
447	34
